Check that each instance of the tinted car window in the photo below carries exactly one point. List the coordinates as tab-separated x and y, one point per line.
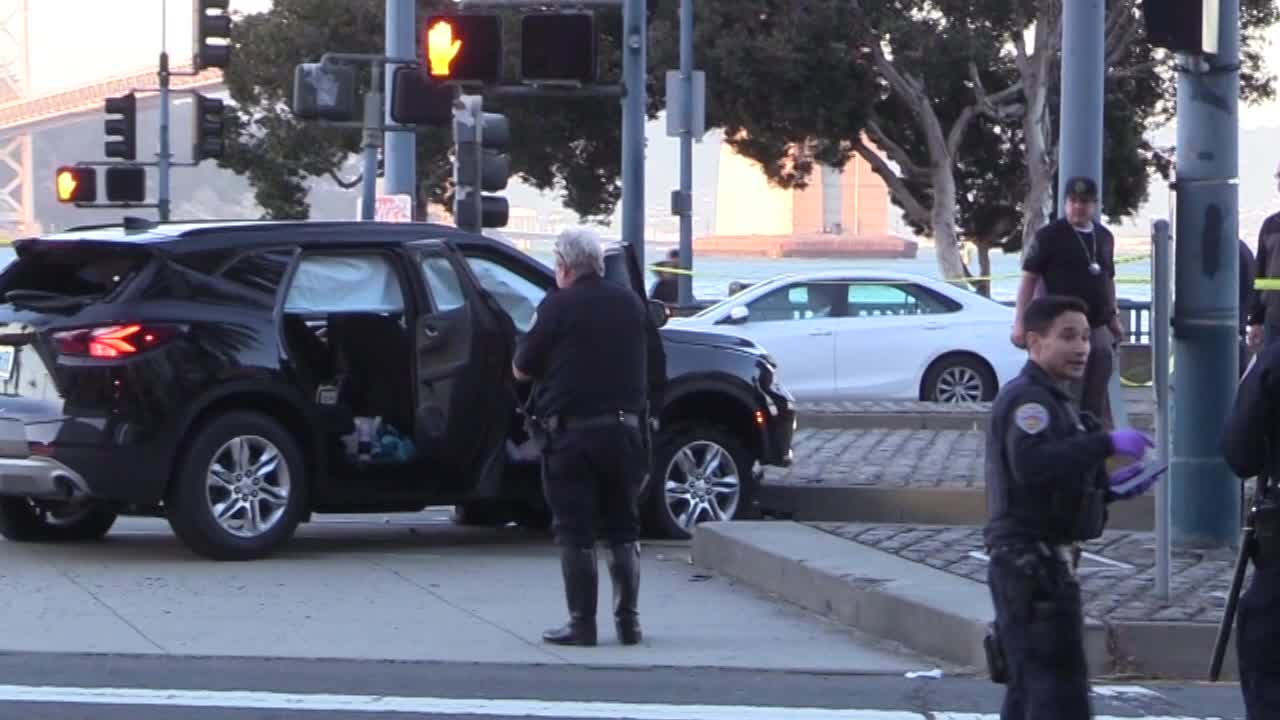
805	301
516	294
871	299
261	271
85	273
443	283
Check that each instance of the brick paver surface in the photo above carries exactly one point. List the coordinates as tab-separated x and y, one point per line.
1117	572
895	458
1138	400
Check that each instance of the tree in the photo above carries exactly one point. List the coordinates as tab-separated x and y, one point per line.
957	109
571	146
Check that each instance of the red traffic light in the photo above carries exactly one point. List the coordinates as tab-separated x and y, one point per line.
76	184
463	48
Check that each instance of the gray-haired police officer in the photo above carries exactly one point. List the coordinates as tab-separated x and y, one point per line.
590	348
1250	448
1047	489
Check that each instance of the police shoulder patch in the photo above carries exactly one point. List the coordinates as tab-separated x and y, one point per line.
1031	418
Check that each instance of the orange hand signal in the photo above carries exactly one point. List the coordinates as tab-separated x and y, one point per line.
66	185
442	48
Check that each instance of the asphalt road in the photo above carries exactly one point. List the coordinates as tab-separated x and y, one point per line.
151	688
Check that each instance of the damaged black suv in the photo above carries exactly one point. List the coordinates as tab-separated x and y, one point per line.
236	377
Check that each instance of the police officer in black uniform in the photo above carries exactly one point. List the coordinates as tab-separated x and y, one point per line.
1048	489
587	351
1250	449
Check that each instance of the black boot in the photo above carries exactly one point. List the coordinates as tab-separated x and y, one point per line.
578	565
624	569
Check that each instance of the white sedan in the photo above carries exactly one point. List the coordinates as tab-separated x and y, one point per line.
873	335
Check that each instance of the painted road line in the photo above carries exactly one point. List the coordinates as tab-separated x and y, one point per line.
476	707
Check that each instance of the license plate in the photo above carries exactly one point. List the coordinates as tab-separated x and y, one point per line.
6	362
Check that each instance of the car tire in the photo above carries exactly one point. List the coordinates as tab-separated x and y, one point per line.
662	519
479	513
190	505
23	521
959	378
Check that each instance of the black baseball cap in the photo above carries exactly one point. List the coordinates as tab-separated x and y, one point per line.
1082	187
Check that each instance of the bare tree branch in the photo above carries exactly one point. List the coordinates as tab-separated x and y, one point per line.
1004	104
344	184
1122	33
958	129
908	167
1133	70
914	208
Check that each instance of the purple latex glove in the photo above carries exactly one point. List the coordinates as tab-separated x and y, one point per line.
1130	442
1125	483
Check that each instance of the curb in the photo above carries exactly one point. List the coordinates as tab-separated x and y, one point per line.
926	610
976	421
912	505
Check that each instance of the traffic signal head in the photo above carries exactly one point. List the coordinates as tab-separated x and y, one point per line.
558	46
208	26
416	100
76	184
481	165
126	184
209	124
324	92
464	48
124	128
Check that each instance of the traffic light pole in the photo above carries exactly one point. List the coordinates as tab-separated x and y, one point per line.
634	72
1204	493
399	161
373	123
164	157
684	281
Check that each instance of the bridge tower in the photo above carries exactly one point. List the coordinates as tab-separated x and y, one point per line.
17	204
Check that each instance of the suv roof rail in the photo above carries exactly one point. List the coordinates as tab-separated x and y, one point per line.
132	222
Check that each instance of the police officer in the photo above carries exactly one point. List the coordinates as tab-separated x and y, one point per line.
587	350
1250	449
1047	489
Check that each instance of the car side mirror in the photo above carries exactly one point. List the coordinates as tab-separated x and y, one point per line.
738	314
658	313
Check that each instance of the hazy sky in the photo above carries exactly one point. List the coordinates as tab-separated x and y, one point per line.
94	29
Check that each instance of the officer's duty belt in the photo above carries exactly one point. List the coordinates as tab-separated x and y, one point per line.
559	422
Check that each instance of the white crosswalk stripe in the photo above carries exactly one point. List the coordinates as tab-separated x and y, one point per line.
472	707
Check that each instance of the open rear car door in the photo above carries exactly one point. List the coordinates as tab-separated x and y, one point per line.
464	389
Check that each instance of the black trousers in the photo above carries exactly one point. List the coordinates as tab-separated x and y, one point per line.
592	478
1257	637
1040	622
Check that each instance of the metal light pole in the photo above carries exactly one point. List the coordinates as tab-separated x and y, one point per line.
1160	297
164	157
399	159
1205	494
373	113
1080	135
634	72
684	280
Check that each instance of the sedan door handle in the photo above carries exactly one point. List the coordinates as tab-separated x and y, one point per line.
933	326
820	333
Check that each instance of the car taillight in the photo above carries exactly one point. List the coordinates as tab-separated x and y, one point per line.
112	341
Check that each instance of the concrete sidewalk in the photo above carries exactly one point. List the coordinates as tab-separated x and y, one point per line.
925	587
412	588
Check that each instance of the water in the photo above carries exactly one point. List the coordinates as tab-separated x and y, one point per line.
712	274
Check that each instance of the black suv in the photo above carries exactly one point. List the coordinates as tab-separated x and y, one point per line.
236	377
